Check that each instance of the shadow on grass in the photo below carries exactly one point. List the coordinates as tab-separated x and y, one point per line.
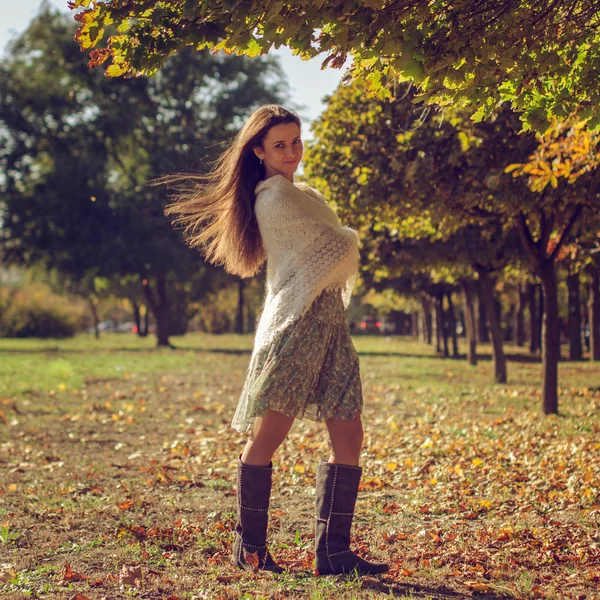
484	357
393	588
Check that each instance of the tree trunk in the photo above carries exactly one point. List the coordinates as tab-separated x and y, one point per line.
144	332
470	322
499	313
575	347
142	326
463	323
550	338
439	326
586	319
159	305
426	323
534	321
489	299
94	311
452	325
136	316
594	312
239	321
482	322
544	266
520	317
541	310
509	325
414	323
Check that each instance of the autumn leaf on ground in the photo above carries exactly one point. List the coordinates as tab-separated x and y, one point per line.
5	576
69	575
228	578
130	575
252	559
79	597
476	586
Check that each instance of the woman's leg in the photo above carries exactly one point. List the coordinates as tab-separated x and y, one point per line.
254	491
346	440
269	432
337	485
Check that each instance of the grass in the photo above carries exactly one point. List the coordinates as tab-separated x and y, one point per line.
114	454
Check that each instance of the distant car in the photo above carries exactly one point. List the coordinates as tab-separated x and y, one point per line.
370	325
115	326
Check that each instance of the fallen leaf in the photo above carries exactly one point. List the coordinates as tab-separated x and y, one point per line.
252	559
476	586
228	578
69	575
130	575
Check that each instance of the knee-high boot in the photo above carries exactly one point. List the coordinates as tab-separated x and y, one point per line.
337	488
253	496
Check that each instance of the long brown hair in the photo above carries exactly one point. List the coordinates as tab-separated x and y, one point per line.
217	209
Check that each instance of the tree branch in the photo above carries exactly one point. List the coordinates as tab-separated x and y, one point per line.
566	231
527	239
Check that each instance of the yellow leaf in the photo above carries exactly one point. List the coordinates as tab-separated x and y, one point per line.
477	462
391	466
486	504
409	462
458	470
115	70
512	167
299	468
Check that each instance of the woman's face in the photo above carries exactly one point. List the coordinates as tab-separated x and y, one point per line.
281	150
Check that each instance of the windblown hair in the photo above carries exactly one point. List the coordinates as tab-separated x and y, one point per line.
216	210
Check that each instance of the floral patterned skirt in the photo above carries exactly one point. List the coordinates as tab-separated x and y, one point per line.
310	370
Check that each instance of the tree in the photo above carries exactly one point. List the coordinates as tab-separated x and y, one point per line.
542	57
563	174
79	149
448	173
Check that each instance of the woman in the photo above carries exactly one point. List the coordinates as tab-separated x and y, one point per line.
246	211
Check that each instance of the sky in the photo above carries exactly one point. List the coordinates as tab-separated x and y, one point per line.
308	83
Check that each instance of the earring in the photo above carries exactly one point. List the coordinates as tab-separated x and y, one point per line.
261	161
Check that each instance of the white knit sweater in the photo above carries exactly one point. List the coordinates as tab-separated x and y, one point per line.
308	251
